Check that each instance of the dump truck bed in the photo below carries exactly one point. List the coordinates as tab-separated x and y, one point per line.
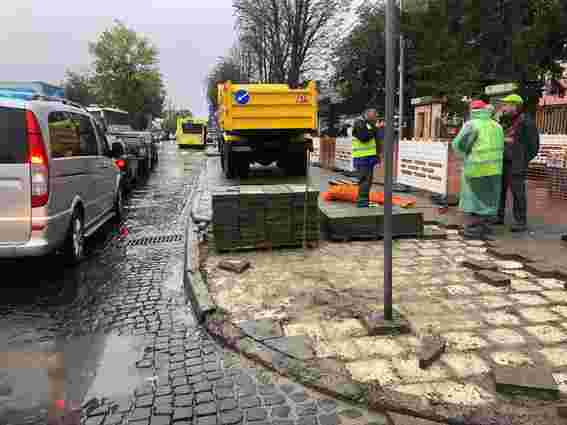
244	107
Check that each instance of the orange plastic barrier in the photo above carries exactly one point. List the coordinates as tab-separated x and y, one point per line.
349	193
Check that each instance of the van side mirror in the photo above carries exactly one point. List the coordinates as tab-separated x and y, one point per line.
117	150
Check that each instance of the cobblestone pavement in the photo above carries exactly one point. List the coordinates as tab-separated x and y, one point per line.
321	294
115	335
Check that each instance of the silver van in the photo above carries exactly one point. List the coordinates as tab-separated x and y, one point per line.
58	180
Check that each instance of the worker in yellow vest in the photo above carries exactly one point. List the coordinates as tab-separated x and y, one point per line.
366	144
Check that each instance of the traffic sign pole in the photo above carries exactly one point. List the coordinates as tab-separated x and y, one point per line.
388	158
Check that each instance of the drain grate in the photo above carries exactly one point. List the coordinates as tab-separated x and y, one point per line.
153	240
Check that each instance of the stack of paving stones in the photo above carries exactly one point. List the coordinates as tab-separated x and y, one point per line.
278	215
253	204
343	220
264	216
298	213
226	209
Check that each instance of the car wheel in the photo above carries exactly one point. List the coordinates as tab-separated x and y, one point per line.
75	243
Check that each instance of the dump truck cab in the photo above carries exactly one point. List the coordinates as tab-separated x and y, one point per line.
265	123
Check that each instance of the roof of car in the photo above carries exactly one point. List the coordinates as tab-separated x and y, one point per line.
59	104
96	108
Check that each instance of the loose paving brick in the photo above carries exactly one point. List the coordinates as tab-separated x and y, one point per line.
274	400
248	402
479	265
506	254
226	405
140	413
160	420
231	418
236	266
163	409
207	420
182	413
281	411
206	409
261	329
307	409
256	414
224	393
533	381
376	324
307	420
493	278
541	269
431	349
330	419
204	397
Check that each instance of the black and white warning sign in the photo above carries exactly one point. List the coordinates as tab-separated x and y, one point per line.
423	165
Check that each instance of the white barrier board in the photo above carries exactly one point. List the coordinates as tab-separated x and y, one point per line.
423	165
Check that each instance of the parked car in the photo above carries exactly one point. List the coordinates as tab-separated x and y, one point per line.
139	143
58	179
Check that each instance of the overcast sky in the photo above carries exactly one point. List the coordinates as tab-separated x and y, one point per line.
40	39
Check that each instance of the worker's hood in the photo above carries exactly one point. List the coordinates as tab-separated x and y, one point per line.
480	114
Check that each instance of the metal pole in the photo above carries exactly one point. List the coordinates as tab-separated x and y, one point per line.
401	93
401	100
388	157
307	158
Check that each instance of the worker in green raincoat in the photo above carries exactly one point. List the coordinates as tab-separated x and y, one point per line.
481	143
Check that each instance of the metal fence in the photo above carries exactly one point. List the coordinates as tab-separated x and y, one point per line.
552	119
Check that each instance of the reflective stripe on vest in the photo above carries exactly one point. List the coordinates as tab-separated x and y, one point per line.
363	149
487	153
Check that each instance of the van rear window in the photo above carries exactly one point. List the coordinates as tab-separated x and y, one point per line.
13	142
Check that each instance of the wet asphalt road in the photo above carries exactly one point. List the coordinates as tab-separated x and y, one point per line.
95	313
120	338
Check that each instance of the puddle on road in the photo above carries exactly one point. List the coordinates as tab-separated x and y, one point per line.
114	374
174	280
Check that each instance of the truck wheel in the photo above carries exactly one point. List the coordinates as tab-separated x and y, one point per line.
295	164
228	162
243	165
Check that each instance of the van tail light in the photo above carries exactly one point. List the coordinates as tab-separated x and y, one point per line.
120	163
38	162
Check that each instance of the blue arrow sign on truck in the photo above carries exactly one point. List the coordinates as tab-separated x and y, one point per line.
242	97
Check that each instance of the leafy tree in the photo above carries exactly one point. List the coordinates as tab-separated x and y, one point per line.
227	69
126	72
79	88
455	48
361	61
284	35
170	123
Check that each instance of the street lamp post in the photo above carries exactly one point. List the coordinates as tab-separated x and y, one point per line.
401	69
388	158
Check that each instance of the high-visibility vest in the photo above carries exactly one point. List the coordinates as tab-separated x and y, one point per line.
363	149
487	153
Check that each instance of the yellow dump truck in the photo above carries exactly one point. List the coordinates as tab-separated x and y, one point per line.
265	123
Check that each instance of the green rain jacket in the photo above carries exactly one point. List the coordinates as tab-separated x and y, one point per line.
481	143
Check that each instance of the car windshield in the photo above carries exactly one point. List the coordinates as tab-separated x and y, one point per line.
116	118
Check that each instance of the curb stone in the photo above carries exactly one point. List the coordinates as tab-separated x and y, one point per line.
194	283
